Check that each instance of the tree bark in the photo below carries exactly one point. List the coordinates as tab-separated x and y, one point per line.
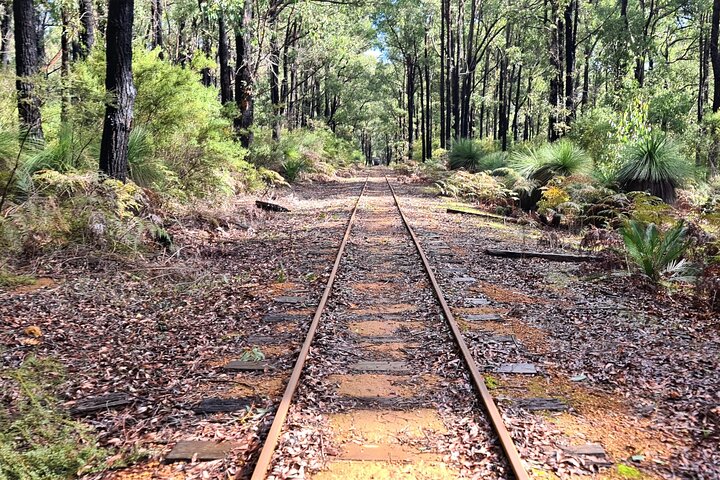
555	73
120	90
26	67
715	54
244	79
274	78
428	103
410	93
87	30
226	93
65	65
571	19
443	46
40	35
156	33
5	33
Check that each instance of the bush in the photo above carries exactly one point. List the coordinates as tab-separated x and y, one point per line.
77	209
479	187
474	156
559	159
39	441
655	165
656	253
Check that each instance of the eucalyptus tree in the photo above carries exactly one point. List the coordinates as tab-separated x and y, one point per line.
27	65
120	89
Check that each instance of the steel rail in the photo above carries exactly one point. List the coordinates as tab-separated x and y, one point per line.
478	380
265	459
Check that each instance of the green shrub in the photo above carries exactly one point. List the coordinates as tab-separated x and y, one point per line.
654	252
37	440
478	187
474	156
559	159
655	165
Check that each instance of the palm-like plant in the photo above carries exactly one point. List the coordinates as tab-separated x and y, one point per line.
559	159
466	154
655	252
145	170
654	164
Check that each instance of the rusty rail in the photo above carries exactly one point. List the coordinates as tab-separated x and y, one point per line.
265	459
477	378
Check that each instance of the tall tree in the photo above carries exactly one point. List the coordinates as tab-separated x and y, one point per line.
156	25
715	54
120	90
26	67
87	26
226	94
5	32
245	77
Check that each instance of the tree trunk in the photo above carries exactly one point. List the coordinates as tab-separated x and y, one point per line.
555	72
571	19
715	54
443	46
40	35
274	78
26	67
5	33
120	90
244	79
410	93
156	33
226	94
428	104
65	65
87	30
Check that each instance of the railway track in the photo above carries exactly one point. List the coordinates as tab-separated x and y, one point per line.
379	246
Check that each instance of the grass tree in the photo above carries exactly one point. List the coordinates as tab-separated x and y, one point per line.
654	164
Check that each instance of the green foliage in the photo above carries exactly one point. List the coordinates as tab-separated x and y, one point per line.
76	209
474	156
37	440
559	159
479	187
304	153
654	252
654	164
627	471
465	153
66	153
294	165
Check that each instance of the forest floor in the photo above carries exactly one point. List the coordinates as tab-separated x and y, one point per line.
638	369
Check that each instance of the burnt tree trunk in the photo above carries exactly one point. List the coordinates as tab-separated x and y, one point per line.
226	93
156	33
120	90
428	103
65	65
410	93
26	67
715	54
87	30
274	78
556	70
244	80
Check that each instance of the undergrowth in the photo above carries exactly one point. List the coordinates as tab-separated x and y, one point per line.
38	441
